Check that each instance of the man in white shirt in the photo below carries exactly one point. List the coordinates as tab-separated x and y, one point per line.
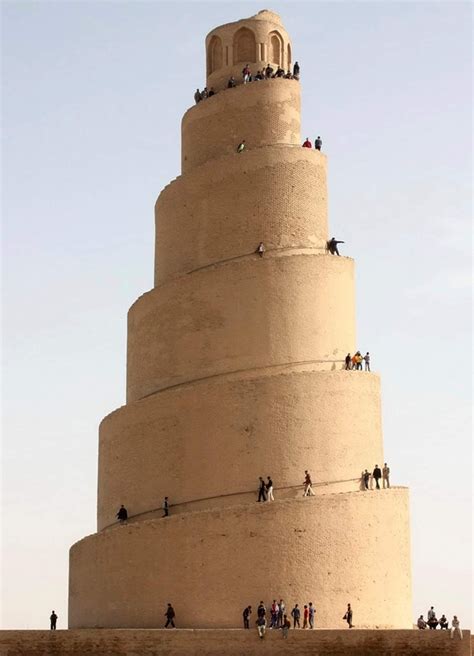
269	487
456	627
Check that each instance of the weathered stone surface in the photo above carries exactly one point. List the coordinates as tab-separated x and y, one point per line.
216	642
211	564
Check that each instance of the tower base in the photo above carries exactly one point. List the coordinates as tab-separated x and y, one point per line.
348	547
232	642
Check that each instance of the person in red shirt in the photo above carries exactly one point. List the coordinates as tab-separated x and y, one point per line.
305	617
307	143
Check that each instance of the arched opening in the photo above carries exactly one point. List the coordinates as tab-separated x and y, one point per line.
214	55
244	46
288	63
276	49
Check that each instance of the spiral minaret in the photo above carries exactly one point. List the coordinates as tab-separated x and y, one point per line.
235	371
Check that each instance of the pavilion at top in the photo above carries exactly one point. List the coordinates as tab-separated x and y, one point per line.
256	41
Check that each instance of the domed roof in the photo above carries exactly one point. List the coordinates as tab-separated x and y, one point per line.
267	14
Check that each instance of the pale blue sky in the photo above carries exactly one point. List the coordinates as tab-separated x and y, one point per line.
93	94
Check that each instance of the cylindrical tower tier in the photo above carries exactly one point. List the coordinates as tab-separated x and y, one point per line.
264	113
247	314
279	422
222	209
330	550
256	41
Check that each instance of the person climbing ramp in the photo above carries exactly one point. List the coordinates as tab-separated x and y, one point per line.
332	246
260	249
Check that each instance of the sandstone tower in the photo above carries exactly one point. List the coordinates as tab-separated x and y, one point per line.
235	371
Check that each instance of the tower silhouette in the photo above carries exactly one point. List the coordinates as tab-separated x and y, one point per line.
235	370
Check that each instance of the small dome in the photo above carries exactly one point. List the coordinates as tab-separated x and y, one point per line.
267	14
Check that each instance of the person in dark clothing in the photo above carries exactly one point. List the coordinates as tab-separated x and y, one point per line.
296	69
268	71
261	610
377	474
348	362
166	507
318	143
122	514
295	614
262	490
170	615
211	92
274	615
348	616
261	626
366	477
197	96
286	626
52	621
332	246
246	614
443	622
308	489
231	83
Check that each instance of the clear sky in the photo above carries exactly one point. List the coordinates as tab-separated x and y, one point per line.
93	95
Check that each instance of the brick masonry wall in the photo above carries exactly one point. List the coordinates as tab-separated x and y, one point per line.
331	550
247	314
224	208
263	113
231	415
231	643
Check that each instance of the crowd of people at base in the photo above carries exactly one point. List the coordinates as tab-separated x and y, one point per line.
367	479
279	619
354	362
266	73
432	623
